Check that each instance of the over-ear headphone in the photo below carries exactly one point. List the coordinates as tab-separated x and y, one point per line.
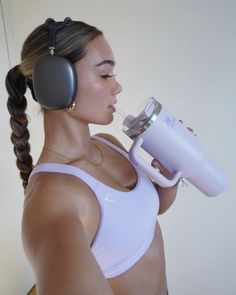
54	77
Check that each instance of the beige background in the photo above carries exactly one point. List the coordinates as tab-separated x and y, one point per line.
181	52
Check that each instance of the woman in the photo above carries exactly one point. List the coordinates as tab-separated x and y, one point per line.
89	223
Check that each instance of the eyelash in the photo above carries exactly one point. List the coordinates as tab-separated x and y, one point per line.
107	76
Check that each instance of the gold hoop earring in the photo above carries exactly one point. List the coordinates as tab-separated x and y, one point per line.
71	108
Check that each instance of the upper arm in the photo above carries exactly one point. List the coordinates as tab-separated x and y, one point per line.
57	242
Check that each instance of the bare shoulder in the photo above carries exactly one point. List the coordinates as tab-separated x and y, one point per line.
54	202
60	221
112	139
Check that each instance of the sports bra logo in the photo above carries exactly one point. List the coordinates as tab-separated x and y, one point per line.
109	198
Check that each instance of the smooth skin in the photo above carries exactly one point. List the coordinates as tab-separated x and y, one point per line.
62	214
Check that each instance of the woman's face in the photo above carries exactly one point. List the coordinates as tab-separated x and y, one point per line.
97	86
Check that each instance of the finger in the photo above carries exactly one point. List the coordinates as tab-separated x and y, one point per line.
155	164
191	130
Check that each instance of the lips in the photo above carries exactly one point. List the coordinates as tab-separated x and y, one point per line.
112	105
112	108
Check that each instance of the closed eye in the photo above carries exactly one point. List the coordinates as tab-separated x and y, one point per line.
107	76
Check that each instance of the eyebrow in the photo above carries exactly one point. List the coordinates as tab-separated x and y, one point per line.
106	61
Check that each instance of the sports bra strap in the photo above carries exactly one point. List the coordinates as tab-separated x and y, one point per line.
73	170
65	169
111	145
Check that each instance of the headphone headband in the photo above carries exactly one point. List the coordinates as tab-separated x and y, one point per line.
53	27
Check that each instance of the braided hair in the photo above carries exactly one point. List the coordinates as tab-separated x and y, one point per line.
16	104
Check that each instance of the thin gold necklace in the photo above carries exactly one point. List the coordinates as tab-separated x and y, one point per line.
86	159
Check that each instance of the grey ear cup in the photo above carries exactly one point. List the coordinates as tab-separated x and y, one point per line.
54	82
54	78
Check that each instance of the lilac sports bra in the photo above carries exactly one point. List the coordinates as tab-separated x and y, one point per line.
128	219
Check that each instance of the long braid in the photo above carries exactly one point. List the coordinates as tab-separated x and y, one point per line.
16	104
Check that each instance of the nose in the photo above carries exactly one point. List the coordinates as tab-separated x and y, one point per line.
117	88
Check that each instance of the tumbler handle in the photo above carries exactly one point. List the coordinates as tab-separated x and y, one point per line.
154	174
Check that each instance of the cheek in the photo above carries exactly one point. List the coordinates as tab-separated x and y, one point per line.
92	94
91	99
90	88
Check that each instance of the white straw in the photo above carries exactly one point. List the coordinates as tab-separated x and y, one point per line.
121	112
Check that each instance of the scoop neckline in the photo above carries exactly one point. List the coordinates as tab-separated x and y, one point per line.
37	167
112	146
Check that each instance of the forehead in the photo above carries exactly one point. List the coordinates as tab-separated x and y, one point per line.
97	51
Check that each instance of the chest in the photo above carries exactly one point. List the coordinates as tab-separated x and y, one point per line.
126	227
115	171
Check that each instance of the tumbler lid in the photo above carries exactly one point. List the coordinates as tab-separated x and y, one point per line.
144	115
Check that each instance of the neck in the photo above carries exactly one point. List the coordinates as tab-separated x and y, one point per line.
67	135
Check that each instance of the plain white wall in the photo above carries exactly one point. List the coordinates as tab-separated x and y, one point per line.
183	53
15	275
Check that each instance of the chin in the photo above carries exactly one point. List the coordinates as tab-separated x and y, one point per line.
106	121
101	118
